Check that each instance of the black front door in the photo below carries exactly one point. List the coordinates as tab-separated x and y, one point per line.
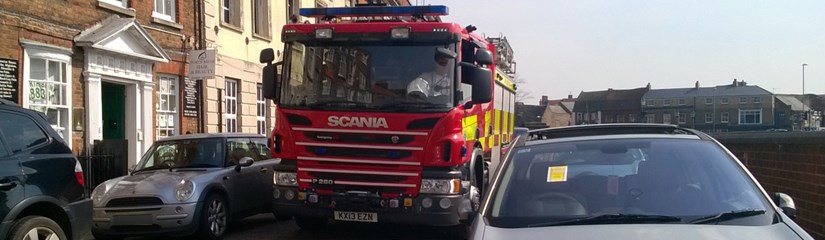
114	111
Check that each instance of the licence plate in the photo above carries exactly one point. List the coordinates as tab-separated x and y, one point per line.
132	220
356	216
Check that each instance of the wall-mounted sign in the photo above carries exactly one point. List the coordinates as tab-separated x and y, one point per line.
9	81
191	97
202	64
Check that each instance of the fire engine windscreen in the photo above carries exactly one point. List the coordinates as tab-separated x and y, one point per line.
370	77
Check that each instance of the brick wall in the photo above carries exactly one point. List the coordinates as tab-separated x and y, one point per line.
56	23
788	162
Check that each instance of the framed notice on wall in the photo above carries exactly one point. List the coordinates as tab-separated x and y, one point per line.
191	97
9	79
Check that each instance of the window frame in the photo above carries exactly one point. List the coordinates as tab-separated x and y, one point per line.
666	118
708	101
261	113
757	100
708	116
266	21
723	101
682	101
50	54
171	16
724	117
743	100
231	113
682	118
666	102
743	112
175	113
117	3
238	7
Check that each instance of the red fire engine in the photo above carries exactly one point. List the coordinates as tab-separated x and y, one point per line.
384	114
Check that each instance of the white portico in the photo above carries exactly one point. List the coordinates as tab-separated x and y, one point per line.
118	81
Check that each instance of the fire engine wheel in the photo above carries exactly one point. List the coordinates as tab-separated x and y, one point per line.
311	224
479	179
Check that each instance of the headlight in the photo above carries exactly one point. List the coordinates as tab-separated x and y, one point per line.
440	186
184	190
285	179
98	193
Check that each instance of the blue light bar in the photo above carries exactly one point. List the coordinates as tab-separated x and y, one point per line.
436	10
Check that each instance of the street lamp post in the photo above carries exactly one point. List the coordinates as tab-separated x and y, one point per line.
805	121
714	109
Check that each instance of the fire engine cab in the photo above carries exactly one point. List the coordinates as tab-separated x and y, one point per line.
384	114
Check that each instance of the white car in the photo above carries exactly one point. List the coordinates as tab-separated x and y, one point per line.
628	181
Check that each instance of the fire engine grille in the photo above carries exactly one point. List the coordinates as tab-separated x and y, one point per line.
359	153
358	138
358	177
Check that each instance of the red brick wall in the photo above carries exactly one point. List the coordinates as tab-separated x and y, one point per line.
58	22
792	163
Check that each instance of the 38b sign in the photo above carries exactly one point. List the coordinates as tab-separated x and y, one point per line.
40	92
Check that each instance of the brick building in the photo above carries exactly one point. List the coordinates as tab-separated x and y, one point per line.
100	70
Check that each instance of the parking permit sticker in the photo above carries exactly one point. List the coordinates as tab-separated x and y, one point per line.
557	174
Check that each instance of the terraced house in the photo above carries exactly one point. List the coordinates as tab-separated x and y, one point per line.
733	107
106	73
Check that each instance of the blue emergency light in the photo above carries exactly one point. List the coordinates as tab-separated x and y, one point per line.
436	10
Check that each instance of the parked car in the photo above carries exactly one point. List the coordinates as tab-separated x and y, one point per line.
185	185
628	181
41	181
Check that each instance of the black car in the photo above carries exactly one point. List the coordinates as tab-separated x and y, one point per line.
41	181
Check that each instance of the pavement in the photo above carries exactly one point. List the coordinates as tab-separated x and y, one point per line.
264	226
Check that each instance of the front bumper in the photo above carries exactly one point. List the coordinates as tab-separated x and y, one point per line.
168	219
458	209
80	213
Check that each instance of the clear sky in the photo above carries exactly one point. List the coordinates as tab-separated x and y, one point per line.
569	46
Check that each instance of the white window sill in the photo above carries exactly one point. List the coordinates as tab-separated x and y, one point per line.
115	8
165	22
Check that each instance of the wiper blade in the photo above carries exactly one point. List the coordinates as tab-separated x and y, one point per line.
347	104
612	218
724	216
150	168
420	105
199	165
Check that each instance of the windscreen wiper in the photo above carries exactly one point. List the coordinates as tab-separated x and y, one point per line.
340	104
612	219
150	169
199	165
413	105
724	216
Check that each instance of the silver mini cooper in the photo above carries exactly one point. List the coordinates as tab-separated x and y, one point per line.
185	185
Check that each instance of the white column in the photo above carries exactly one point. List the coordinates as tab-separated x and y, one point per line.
147	111
132	127
94	109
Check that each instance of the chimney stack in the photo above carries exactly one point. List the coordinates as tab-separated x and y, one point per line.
543	101
570	96
697	84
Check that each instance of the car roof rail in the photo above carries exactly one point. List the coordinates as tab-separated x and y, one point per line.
607	129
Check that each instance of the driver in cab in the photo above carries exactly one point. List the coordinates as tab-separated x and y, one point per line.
434	83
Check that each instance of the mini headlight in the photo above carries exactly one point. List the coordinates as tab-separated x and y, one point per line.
440	186
285	179
184	190
324	33
98	193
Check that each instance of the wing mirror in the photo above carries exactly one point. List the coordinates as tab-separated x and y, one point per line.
785	203
244	162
